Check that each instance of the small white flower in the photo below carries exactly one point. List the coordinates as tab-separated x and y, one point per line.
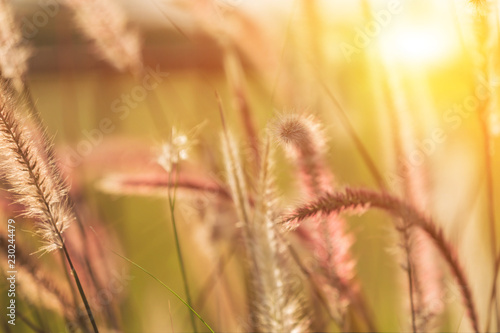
177	149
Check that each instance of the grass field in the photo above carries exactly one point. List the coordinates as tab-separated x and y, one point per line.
249	166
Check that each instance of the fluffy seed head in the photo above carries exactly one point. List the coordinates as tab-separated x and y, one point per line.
300	134
14	53
104	23
30	173
276	299
39	286
303	139
338	202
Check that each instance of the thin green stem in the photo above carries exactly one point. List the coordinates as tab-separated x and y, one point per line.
171	202
80	289
74	294
410	285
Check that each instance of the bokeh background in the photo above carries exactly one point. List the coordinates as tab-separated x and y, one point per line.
287	56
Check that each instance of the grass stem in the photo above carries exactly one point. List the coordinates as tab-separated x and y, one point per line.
171	202
80	289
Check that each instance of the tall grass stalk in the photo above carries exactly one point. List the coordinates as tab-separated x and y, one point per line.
275	301
236	80
423	280
171	203
303	138
23	95
13	68
29	173
484	69
33	276
278	299
13	47
80	289
362	199
403	171
351	131
106	25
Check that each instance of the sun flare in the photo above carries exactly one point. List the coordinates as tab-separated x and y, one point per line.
417	45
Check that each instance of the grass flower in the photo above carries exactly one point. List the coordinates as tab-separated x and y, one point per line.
29	170
278	302
275	300
174	151
352	199
14	53
28	173
304	140
105	24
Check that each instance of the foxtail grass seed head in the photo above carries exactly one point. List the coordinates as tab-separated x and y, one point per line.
39	285
428	281
14	53
340	202
301	135
276	301
303	139
106	25
235	177
30	175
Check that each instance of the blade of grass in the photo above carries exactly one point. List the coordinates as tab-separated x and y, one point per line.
25	94
171	202
30	324
360	146
166	287
156	279
214	277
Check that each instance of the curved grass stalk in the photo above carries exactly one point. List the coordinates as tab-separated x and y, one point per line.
356	199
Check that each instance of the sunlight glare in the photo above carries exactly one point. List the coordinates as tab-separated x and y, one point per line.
417	45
